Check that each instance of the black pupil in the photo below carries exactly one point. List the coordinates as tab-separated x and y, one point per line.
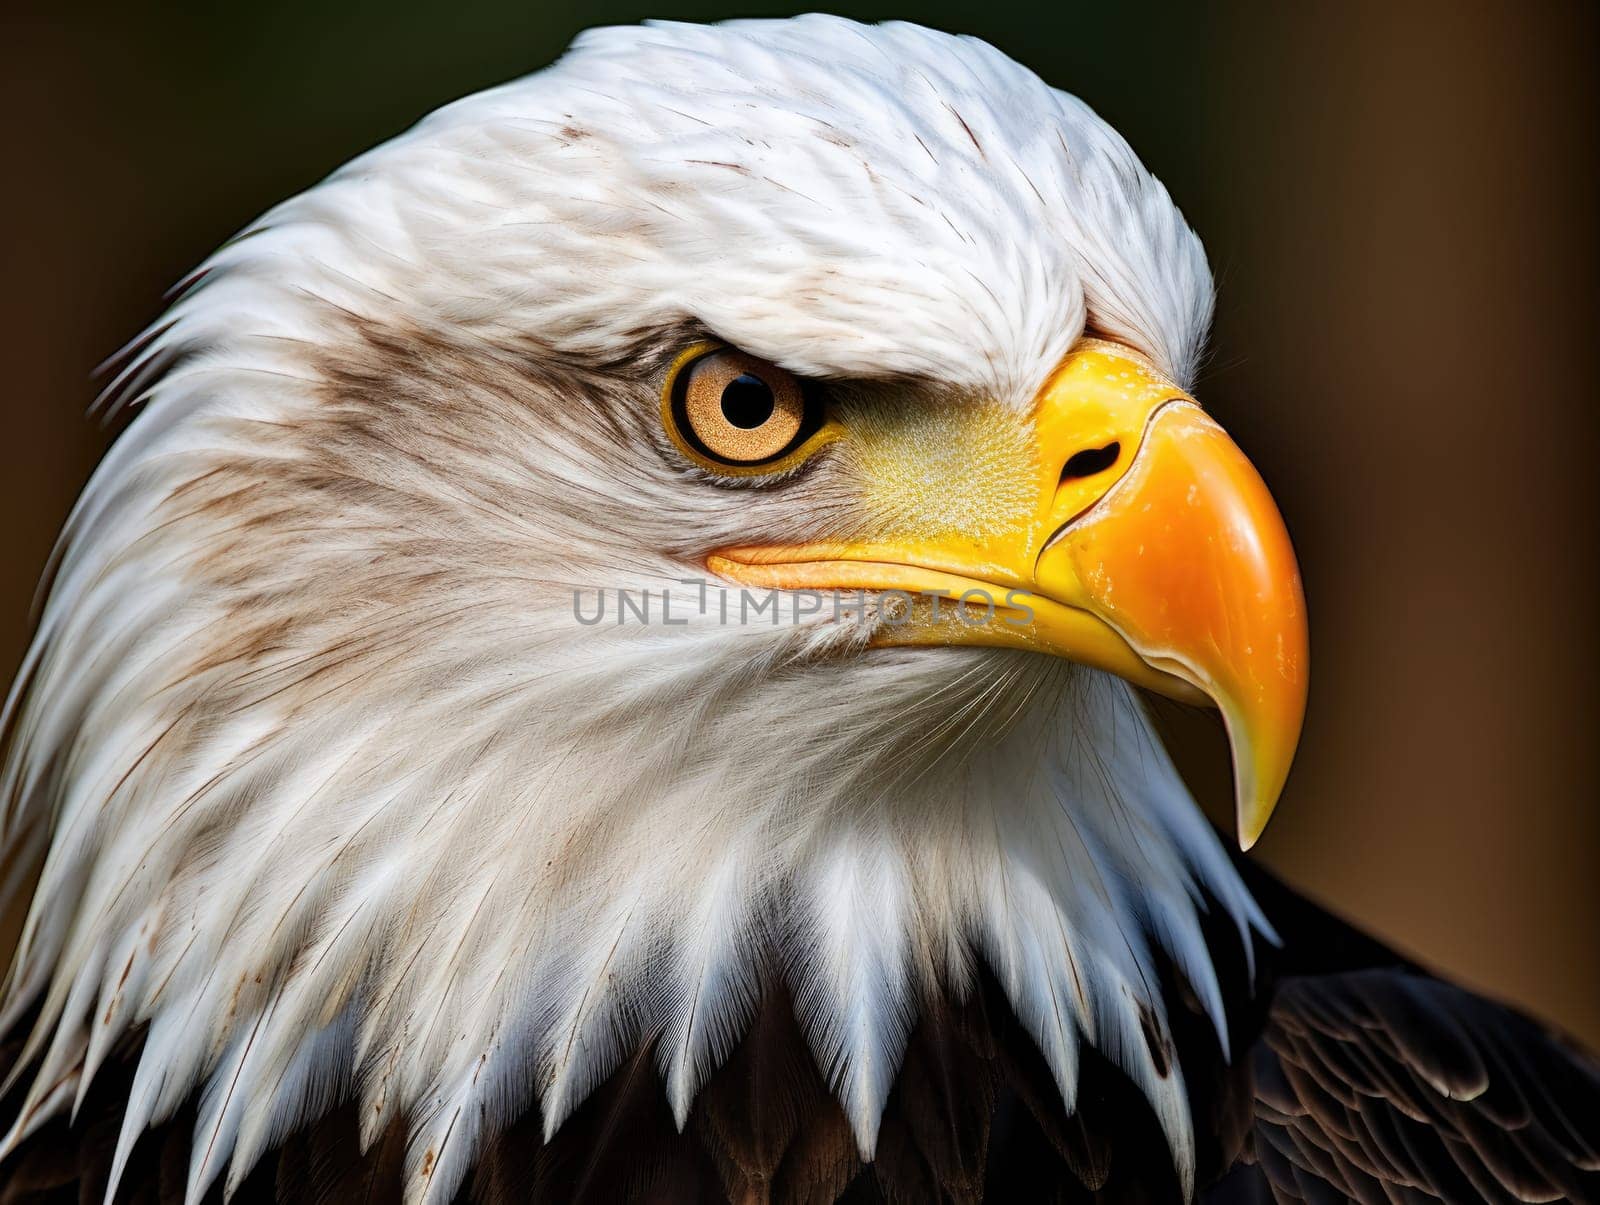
747	402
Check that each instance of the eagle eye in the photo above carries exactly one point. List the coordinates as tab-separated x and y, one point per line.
739	412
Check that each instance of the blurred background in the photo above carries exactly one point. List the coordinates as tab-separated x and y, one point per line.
1400	206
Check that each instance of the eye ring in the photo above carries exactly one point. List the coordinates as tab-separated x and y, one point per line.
737	415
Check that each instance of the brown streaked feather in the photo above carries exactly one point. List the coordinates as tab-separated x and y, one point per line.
619	1145
316	1165
939	1121
767	1118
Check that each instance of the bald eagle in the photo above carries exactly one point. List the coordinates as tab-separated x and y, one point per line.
611	664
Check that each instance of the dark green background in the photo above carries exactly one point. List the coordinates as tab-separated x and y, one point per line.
1400	205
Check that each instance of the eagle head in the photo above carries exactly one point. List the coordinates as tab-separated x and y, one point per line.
687	521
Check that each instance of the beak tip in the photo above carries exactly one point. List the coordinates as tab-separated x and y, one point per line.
1251	826
1260	783
1263	742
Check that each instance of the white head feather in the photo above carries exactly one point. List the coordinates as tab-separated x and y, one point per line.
331	791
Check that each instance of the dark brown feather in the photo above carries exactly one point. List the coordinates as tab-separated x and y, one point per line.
1376	1082
1365	1081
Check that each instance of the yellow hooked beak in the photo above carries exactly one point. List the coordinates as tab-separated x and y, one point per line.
1151	549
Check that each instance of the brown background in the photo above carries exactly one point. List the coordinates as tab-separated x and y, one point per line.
1401	209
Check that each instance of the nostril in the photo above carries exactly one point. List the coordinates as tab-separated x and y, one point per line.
1090	461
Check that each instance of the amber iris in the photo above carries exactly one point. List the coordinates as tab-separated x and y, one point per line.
739	410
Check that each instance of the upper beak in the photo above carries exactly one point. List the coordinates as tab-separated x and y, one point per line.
1153	550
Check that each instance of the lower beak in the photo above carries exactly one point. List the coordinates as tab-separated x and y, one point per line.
1175	572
